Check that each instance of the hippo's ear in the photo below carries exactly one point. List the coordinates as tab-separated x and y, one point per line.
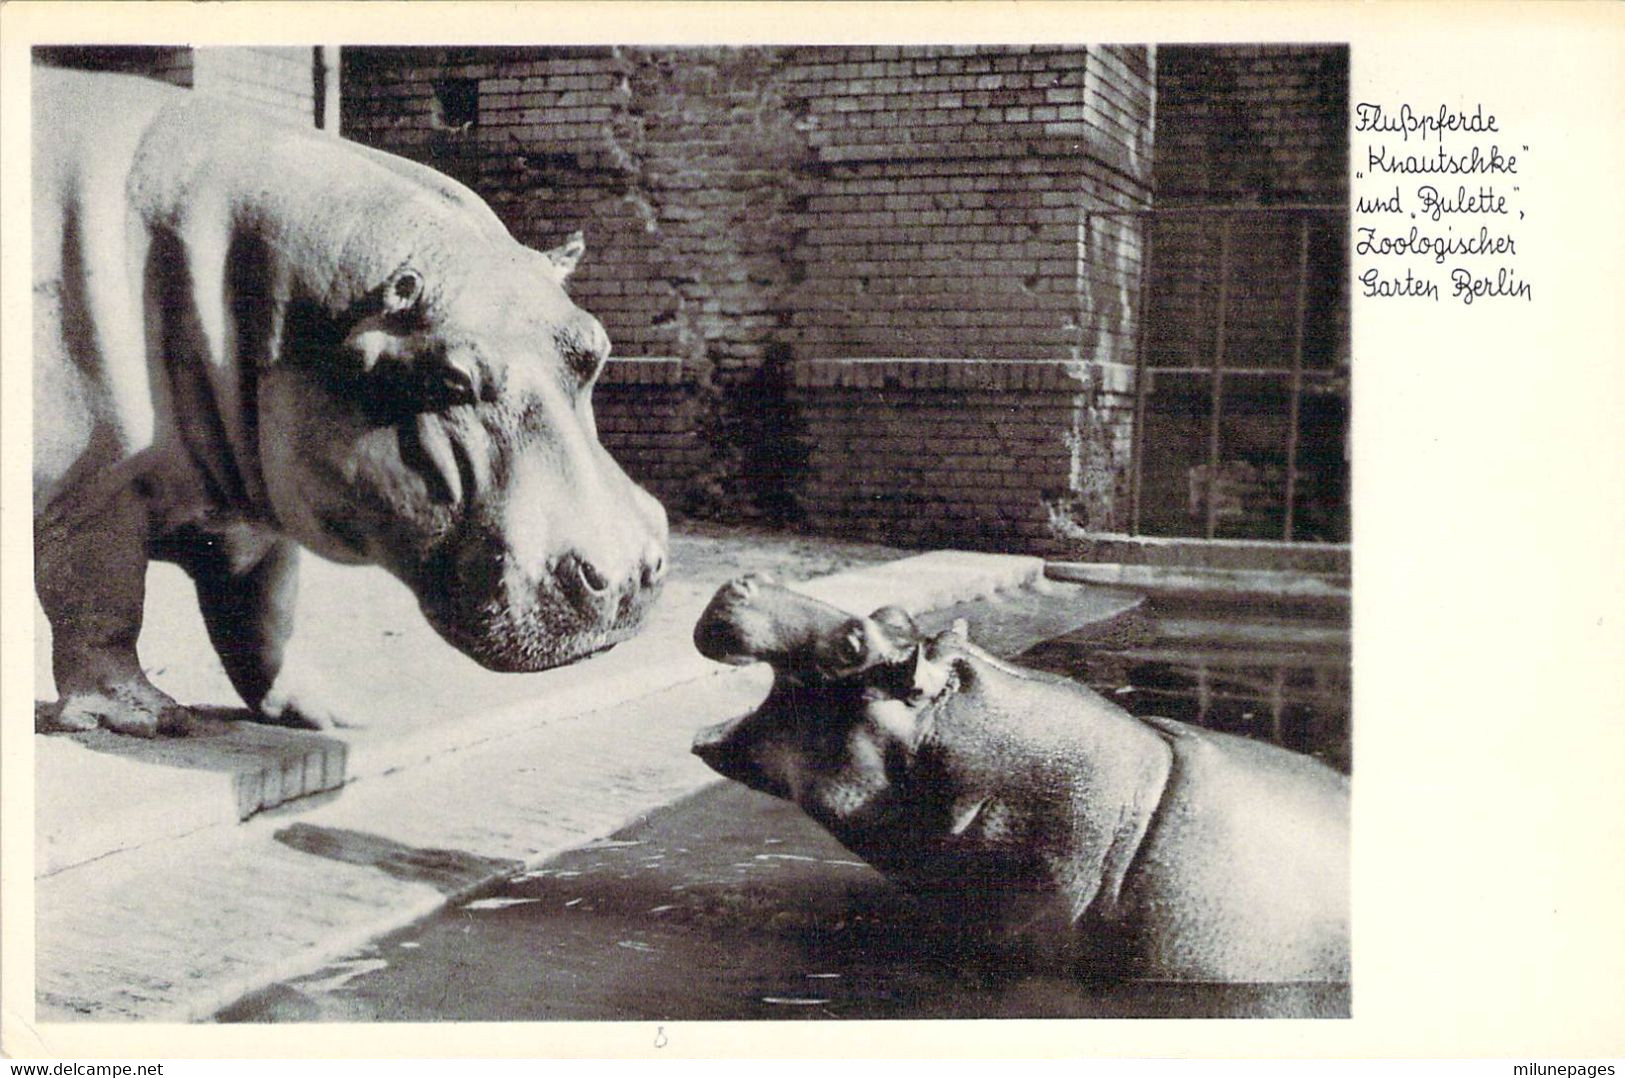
403	290
926	679
566	255
848	651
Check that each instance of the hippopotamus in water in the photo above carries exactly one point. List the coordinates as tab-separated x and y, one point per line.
1158	850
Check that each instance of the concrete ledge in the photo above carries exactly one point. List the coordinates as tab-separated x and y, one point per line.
1008	375
173	931
925	582
1256	554
1309	588
101	793
175	927
146	799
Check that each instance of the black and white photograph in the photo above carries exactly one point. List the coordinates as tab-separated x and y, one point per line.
542	530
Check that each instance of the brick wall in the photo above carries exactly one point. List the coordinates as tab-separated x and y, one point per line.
1251	125
1246	123
950	236
645	411
751	211
977	454
166	63
953	186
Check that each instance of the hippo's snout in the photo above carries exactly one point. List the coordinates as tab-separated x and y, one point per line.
605	589
484	599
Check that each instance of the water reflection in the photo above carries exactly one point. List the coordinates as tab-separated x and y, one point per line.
731	905
1262	674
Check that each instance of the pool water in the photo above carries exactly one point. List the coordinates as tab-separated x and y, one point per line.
730	905
1273	673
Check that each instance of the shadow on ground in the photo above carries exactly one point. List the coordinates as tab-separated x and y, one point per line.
726	906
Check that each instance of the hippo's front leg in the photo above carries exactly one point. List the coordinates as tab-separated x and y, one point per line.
90	575
247	583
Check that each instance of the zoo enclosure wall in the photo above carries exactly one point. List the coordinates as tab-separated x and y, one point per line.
888	291
754	213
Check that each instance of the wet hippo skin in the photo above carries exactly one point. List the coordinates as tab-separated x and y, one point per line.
1143	848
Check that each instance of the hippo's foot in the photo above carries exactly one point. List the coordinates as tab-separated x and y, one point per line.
296	711
136	710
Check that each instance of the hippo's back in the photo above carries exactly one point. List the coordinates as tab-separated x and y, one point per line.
1244	873
82	150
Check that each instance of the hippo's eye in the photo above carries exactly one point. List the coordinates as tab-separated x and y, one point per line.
452	386
396	390
849	649
439	386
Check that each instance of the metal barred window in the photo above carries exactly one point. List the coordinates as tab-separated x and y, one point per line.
1241	372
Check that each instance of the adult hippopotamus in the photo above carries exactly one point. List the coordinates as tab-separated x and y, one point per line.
1158	850
249	336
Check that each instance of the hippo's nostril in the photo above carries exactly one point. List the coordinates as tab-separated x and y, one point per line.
590	576
580	578
654	570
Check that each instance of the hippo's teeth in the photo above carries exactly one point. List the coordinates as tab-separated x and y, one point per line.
963	818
